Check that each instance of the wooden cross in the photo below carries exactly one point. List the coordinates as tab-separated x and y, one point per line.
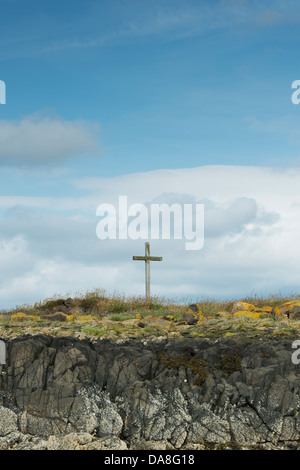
147	258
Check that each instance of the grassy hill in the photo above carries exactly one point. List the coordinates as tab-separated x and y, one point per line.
96	314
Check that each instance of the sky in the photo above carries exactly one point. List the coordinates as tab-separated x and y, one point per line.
164	102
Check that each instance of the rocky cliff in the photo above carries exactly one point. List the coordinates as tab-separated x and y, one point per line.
167	393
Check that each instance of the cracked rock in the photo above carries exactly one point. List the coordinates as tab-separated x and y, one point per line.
67	393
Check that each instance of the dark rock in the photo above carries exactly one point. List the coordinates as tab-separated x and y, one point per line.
193	314
174	392
290	309
69	302
194	308
294	312
62	308
57	316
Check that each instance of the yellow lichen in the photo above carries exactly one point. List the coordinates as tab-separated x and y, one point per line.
247	314
238	306
224	314
18	316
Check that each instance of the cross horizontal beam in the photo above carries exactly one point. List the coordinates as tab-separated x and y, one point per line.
147	258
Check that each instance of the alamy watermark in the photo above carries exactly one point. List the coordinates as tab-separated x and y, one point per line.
2	352
2	92
152	221
295	358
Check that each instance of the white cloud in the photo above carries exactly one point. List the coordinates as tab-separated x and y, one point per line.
39	139
252	224
274	187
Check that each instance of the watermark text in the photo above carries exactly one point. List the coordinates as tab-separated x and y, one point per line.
153	221
2	92
2	352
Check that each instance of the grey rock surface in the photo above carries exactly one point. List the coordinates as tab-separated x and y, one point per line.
174	393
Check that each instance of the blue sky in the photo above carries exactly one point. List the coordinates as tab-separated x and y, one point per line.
162	79
101	95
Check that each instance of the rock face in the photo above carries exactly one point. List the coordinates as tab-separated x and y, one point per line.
162	393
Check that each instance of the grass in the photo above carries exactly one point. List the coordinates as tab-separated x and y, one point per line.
92	331
49	304
96	314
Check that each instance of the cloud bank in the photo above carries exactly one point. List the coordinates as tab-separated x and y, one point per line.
48	246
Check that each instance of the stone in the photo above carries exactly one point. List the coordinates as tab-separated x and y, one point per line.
77	311
62	309
151	445
8	421
193	314
69	302
289	309
112	443
242	306
65	393
57	316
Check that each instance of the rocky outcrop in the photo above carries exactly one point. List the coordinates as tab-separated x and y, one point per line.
175	393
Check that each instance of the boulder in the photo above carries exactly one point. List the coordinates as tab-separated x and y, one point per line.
69	302
57	316
193	314
247	309
289	309
242	306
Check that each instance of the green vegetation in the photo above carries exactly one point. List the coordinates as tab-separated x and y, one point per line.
89	330
90	302
118	317
196	365
50	304
96	314
230	363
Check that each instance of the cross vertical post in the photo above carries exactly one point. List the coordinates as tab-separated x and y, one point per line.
147	258
147	270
